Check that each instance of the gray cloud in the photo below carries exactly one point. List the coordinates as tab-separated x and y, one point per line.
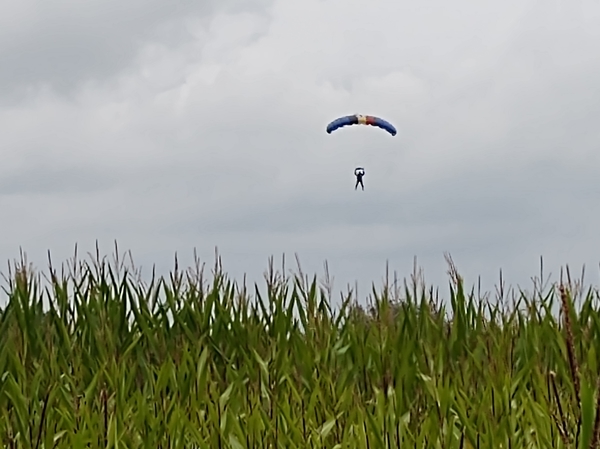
208	131
63	44
64	180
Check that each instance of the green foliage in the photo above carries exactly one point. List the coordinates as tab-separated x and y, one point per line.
98	359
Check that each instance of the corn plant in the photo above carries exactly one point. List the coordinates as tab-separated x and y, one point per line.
93	357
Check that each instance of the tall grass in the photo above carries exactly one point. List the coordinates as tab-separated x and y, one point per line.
94	357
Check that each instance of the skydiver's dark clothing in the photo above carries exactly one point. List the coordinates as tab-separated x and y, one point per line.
359	180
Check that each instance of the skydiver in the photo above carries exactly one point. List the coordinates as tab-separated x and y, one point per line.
359	172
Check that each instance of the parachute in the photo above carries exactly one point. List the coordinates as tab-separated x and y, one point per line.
358	119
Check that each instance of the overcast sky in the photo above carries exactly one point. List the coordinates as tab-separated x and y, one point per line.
169	126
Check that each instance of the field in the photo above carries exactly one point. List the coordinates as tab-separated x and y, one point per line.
91	356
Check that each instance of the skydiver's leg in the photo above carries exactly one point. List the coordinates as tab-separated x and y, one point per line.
362	185
356	186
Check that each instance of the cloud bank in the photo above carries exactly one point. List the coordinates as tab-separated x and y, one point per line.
179	126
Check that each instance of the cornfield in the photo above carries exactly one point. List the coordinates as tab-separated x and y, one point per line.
93	357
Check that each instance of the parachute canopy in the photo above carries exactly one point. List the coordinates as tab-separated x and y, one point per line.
358	119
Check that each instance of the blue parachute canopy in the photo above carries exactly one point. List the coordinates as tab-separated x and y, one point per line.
358	119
